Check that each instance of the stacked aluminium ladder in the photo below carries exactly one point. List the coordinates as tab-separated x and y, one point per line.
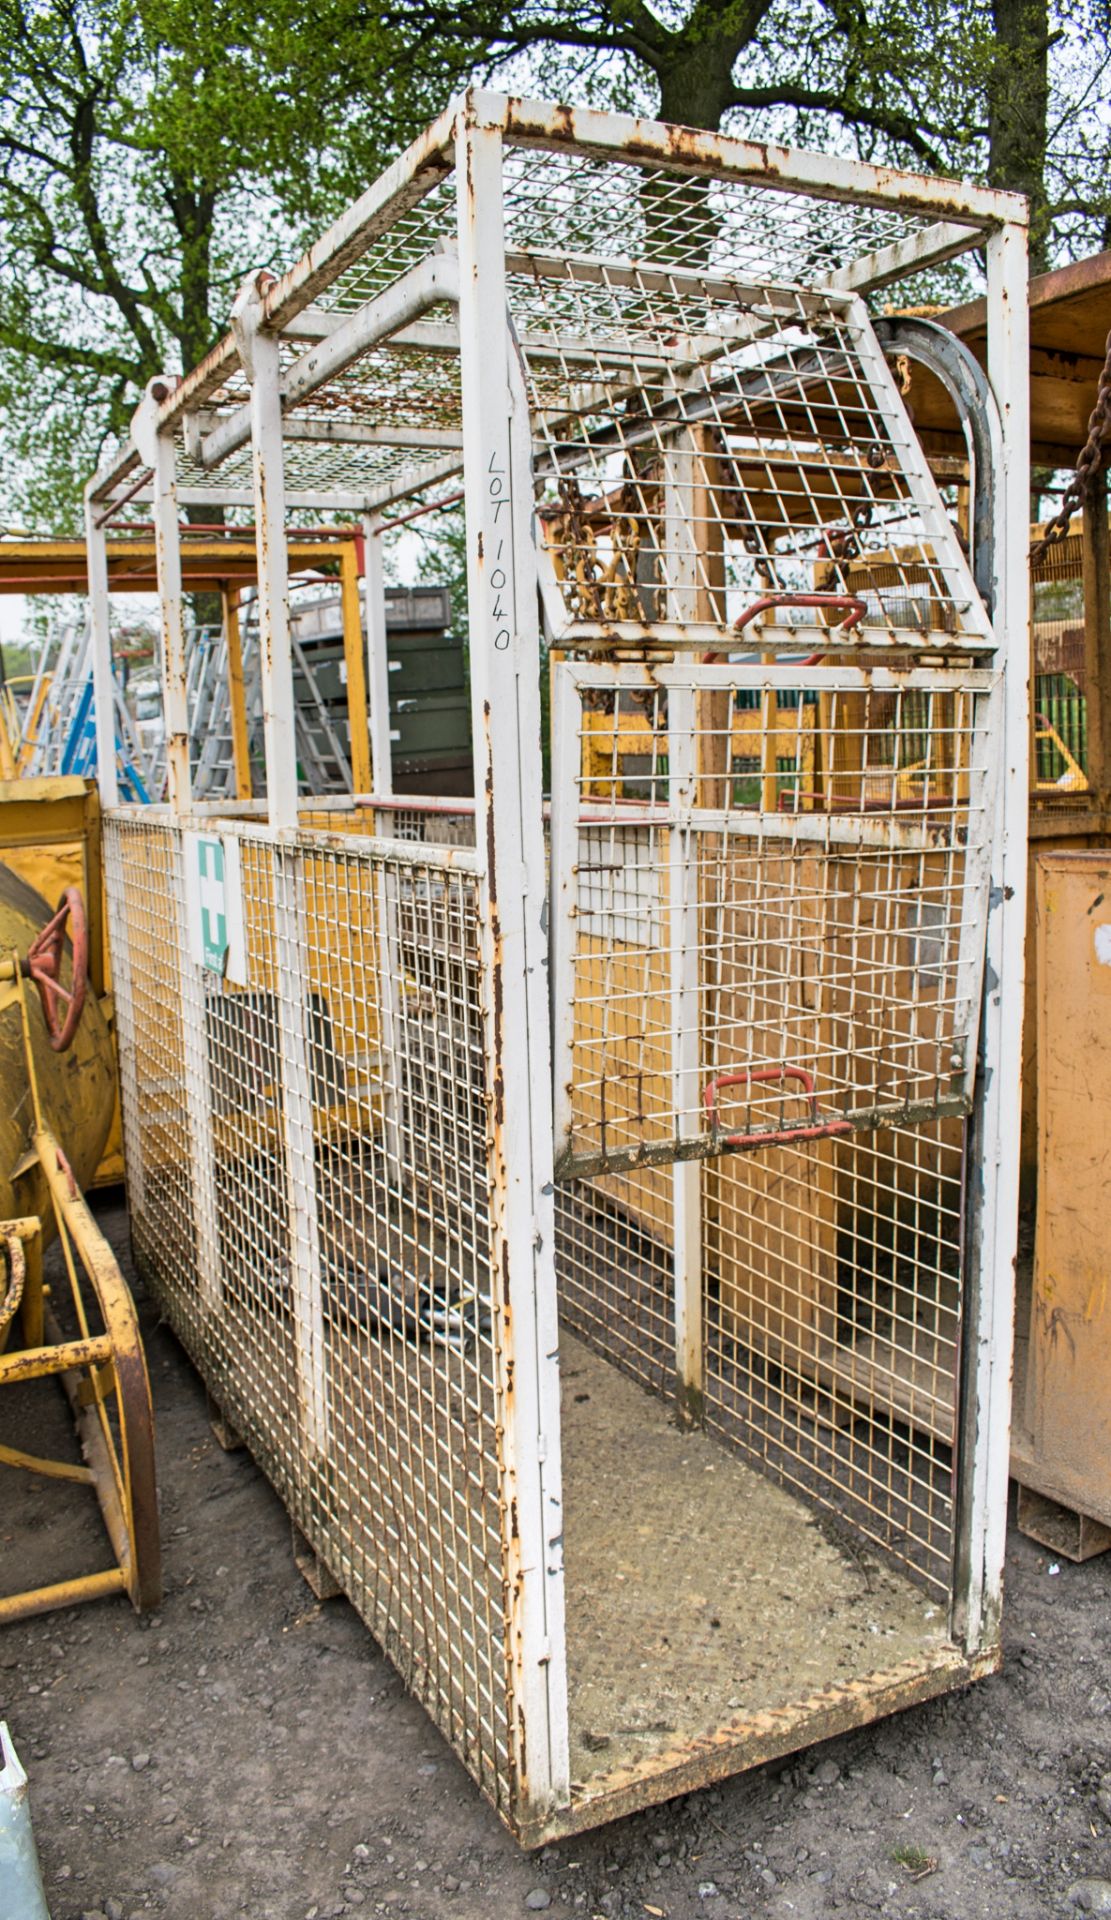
62	718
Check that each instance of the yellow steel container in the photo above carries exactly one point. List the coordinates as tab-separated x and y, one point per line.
50	837
77	1088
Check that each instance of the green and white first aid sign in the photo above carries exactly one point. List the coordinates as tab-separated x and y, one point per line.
214	904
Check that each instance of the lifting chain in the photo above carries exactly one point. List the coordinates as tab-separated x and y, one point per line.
597	591
574	540
1089	465
621	599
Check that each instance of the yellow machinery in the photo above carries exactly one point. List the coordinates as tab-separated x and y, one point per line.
57	1073
50	838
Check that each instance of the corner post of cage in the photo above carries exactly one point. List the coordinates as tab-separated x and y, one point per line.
100	627
689	541
157	450
686	1042
992	1202
505	704
354	660
377	657
260	356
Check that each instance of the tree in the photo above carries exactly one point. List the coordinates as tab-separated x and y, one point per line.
829	57
1018	111
945	85
144	148
151	151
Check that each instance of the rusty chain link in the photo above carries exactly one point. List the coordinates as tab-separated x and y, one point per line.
1089	465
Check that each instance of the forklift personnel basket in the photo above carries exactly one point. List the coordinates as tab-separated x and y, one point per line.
612	1271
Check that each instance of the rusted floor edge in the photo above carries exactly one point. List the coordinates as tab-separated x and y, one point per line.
738	1747
753	1741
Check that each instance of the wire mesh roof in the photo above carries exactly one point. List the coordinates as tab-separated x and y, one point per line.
625	278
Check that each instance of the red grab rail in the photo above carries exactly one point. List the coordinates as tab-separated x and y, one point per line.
771	1137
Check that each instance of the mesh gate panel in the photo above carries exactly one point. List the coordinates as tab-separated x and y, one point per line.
325	1261
769	959
771	901
832	1302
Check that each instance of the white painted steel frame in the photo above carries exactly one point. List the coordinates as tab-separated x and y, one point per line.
261	357
471	137
260	354
378	658
505	708
684	967
157	451
994	1158
104	688
954	205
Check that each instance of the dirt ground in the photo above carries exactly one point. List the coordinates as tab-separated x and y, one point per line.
249	1751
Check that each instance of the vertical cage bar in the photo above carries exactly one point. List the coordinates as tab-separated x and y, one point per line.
104	695
567	804
157	450
691	543
505	697
295	1043
167	541
389	988
198	1093
259	353
993	1148
686	1044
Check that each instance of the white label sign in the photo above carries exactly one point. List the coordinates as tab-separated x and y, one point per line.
214	905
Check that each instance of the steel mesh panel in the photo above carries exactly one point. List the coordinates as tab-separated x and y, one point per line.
143	878
317	464
821	880
832	1275
772	888
337	1297
580	204
614	1270
702	444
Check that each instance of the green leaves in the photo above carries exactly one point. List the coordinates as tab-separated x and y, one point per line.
152	151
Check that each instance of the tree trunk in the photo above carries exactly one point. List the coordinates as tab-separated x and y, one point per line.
1018	111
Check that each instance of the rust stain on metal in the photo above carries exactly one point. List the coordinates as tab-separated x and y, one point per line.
747	1743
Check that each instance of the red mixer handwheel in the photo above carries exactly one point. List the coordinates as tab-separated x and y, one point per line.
44	963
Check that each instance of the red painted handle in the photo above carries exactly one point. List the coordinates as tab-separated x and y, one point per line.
781	1136
43	965
851	606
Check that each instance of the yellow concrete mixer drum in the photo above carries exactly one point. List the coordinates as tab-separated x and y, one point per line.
76	1085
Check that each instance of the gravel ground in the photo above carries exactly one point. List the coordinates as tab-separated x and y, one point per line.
248	1751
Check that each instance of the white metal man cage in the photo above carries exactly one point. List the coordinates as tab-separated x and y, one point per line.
630	1338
